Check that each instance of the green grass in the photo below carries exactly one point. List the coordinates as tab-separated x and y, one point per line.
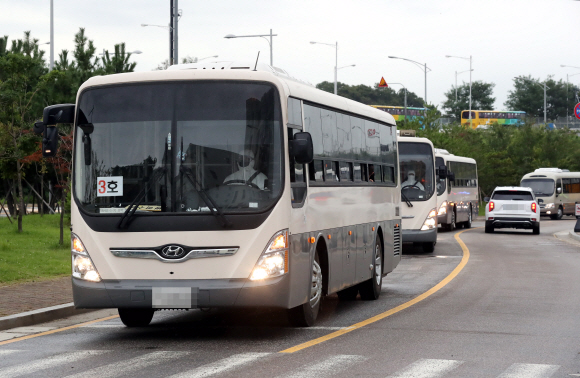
482	206
34	254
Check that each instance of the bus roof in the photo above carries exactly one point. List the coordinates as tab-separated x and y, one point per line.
552	173
450	157
287	85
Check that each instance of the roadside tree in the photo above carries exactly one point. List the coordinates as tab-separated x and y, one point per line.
481	98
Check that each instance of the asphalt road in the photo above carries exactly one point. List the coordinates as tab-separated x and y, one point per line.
512	311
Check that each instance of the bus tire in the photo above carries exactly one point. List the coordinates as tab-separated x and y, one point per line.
429	247
136	317
370	290
452	226
305	315
467	224
558	215
348	294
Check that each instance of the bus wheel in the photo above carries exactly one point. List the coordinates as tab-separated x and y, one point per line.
305	314
558	215
469	219
429	247
136	317
451	226
371	289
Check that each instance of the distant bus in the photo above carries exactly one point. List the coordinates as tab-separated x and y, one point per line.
489	117
418	197
399	113
557	190
457	194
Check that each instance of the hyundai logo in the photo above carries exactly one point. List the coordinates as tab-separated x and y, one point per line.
173	252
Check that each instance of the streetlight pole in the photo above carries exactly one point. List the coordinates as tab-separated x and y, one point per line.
335	62
405	99
567	84
470	70
170	28
51	35
458	73
270	42
545	101
423	67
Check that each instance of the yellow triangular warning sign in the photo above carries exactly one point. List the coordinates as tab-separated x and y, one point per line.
383	83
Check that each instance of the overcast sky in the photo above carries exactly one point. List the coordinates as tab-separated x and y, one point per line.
506	38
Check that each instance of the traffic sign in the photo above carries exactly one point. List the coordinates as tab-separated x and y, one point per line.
576	110
383	83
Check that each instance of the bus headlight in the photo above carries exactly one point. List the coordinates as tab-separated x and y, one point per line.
442	208
431	221
549	206
82	265
274	260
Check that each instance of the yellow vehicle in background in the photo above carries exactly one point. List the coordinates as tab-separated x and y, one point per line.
489	117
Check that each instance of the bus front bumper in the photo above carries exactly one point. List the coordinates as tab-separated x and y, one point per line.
273	292
418	236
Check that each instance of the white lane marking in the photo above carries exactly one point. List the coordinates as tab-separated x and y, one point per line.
328	367
529	371
7	351
221	366
49	362
129	366
427	368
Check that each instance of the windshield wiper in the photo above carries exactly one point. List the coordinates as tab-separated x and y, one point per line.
128	214
406	199
213	208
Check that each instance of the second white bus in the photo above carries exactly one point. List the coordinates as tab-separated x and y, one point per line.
418	197
457	194
557	190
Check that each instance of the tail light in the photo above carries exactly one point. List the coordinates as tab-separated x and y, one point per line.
491	206
534	207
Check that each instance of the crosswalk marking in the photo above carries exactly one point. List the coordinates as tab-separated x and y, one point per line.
45	363
130	366
427	368
529	371
221	366
328	367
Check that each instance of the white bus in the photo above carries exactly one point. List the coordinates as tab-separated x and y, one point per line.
557	190
418	197
227	185
457	194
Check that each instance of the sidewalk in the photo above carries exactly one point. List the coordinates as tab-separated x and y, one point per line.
15	299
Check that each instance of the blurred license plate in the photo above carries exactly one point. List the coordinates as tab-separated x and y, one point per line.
172	297
513	207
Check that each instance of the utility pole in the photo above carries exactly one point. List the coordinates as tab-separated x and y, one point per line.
171	32
175	32
51	35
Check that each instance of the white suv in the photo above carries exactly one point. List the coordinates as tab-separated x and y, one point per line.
512	207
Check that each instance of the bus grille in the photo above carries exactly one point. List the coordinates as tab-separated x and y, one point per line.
397	240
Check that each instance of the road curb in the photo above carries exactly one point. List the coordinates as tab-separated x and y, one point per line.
41	315
574	236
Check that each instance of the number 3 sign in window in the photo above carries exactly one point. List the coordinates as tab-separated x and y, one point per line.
109	186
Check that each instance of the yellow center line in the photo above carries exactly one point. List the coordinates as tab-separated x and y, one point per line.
57	330
390	312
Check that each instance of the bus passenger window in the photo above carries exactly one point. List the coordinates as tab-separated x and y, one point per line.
372	173
316	171
330	171
364	172
345	171
357	172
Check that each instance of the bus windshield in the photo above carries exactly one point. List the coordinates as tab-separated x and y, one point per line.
179	147
417	176
541	187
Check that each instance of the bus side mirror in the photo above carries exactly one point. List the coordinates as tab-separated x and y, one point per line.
451	176
486	199
559	190
442	172
540	200
301	148
51	116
